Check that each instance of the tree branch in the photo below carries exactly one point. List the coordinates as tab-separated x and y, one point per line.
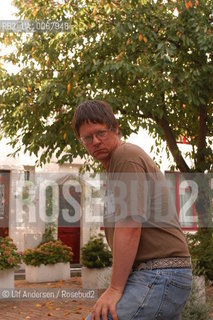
201	143
171	143
173	147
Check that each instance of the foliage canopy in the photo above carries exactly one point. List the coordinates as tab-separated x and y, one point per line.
152	62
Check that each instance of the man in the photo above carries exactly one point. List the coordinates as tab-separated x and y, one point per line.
151	272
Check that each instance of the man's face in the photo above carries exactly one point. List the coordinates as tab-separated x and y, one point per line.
99	140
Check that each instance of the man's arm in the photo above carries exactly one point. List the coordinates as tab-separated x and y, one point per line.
125	246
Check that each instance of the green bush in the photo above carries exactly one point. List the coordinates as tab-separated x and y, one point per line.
49	234
95	253
200	246
48	253
194	310
9	257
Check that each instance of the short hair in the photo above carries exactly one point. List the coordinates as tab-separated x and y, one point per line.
95	111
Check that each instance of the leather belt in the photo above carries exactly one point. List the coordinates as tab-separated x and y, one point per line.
164	263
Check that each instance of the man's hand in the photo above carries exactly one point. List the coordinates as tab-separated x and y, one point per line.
106	303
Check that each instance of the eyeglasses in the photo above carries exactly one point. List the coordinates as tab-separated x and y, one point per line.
100	134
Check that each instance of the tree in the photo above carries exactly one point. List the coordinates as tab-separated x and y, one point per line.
154	67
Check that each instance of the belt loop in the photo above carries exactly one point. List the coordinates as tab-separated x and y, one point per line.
149	264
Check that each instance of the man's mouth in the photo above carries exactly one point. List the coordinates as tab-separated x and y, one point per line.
99	151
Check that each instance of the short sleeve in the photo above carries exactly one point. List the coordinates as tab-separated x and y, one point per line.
128	192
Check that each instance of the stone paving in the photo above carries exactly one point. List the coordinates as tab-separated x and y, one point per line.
58	308
61	308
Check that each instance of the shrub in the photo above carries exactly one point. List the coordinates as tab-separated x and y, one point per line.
194	310
95	253
9	257
49	234
200	246
48	253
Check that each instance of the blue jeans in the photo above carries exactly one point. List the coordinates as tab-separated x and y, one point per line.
154	295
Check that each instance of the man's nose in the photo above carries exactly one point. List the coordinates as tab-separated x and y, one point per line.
95	140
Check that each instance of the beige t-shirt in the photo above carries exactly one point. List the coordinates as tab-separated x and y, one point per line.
137	188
